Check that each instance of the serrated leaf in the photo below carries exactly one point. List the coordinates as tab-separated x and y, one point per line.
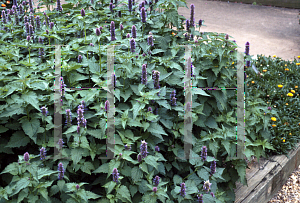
76	155
152	161
110	186
18	139
133	189
199	91
164	103
156	128
71	129
22	195
177	179
203	174
143	186
61	184
102	169
87	167
136	174
21	184
44	193
53	190
124	192
31	127
144	167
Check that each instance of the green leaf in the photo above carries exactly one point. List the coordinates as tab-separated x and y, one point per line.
161	168
199	91
84	143
32	99
127	94
203	174
211	123
97	133
91	195
155	51
126	156
143	186
71	129
87	167
21	184
30	127
76	155
102	169
152	161
144	167
18	139
156	128
53	190
124	192
191	187
177	179
195	159
110	186
214	146
61	184
164	103
137	106
133	189
44	193
136	174
23	194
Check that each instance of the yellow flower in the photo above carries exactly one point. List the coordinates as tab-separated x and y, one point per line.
263	55
273	125
252	82
286	104
296	86
290	133
298	123
274	56
280	86
273	119
299	57
286	69
285	65
293	91
265	70
232	63
298	64
290	94
210	53
283	140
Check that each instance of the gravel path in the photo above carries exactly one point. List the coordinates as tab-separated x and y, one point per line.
290	191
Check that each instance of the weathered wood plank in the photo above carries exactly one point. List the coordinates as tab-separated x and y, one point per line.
264	184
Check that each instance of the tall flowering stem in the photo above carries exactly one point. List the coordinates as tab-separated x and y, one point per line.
192	20
182	189
61	171
143	148
204	153
115	175
247	53
144	74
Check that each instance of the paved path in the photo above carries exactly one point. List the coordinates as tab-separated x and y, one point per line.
269	30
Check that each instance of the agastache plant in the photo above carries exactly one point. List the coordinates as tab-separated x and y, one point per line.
144	74
79	59
213	167
68	118
59	8
150	40
26	157
111	7
192	20
206	186
155	77
154	189
120	14
133	31
204	153
182	189
132	45
127	147
121	27
200	198
44	111
43	153
27	27
112	31
143	148
156	180
157	148
115	175
172	97
130	5
60	143
143	14
98	32
247	53
139	158
61	171
187	22
38	23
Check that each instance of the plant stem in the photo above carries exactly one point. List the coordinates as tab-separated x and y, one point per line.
29	55
84	32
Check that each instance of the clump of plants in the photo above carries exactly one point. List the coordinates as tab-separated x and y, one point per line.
149	107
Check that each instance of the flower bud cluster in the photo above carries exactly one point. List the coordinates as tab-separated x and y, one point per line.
173	98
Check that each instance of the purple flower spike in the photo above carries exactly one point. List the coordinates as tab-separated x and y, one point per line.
77	187
143	14
127	147
212	194
47	31
100	28
128	35
187	22
182	189
68	118
200	22
3	17
43	153
132	45
144	74
121	27
51	25
156	180
112	31
78	129
269	108
143	148
248	63
154	189
150	40
130	5
38	22
150	109
82	12
91	44
200	198
139	158
133	31
172	97
144	54
206	186
115	175
44	109
111	7
213	167
107	105
157	148
41	40
61	171
155	77
226	37
30	30
26	156
120	14
192	20
98	32
27	27
60	143
247	48
79	59
204	153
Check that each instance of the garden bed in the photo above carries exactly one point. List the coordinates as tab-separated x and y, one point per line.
267	177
